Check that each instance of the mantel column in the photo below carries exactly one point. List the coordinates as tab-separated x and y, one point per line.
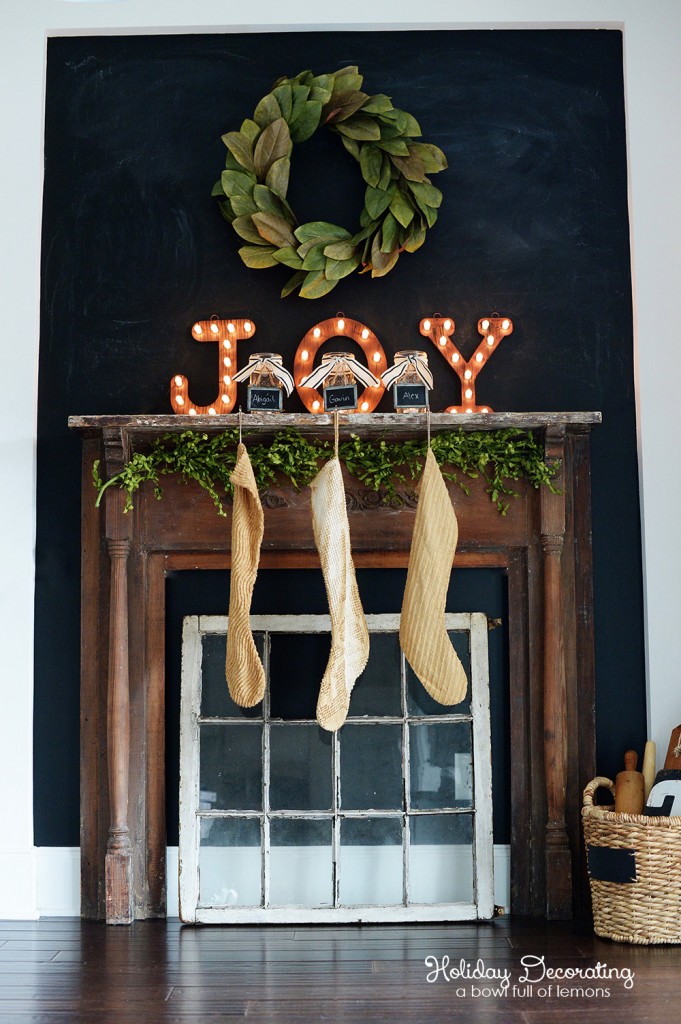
557	851
118	870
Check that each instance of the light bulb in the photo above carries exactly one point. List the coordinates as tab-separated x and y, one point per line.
197	329
484	409
365	333
214	328
484	324
377	357
304	354
469	410
365	406
456	357
505	324
248	326
231	328
211	411
467	374
227	343
479	357
192	412
490	339
448	325
315	405
468	393
443	340
340	325
179	399
317	332
226	380
227	361
225	399
426	325
178	382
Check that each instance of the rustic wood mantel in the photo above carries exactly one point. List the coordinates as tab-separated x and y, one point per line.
543	544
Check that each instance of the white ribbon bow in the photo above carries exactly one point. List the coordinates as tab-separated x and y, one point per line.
278	371
417	363
318	376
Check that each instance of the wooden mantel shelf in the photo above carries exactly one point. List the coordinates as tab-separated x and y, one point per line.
543	545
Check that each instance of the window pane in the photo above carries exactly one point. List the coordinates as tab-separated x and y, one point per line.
441	858
229	862
231	767
441	765
300	768
297	664
301	863
371	767
215	699
419	701
371	861
378	689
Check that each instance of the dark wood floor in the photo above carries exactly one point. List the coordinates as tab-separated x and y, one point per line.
72	972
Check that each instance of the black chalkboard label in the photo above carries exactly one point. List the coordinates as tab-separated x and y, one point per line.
340	396
607	864
264	400
410	396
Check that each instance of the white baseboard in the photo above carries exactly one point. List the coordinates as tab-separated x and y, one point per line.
17	885
57	882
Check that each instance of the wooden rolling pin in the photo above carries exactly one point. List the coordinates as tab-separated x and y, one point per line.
629	787
648	767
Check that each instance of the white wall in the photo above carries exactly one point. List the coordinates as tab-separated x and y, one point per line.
653	87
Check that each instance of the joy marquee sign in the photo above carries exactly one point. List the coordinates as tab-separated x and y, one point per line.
226	334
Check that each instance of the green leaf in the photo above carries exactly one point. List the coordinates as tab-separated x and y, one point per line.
267	111
258	257
240	148
274	143
293	283
386	172
389	234
347	79
316	285
250	129
289	257
426	193
433	158
284	97
218	191
401	209
410	167
278	175
359	127
246	229
320	94
407	124
378	104
268	202
338	269
274	229
306	122
243	205
371	163
227	211
231	164
377	201
341	250
352	147
314	258
343	105
416	238
321	230
396	147
381	262
236	183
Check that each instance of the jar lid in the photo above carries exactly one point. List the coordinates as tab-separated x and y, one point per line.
272	356
336	355
400	356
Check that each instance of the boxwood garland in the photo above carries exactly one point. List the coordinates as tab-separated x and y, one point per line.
400	203
499	456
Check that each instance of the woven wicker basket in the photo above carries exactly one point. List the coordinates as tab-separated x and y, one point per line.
644	905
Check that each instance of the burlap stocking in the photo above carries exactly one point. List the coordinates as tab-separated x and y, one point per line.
244	670
349	633
423	635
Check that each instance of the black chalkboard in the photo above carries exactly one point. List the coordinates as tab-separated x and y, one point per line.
533	225
340	396
410	396
264	400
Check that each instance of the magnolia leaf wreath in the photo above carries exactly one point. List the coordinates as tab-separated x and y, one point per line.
400	203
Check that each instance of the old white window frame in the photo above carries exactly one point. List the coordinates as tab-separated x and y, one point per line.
482	904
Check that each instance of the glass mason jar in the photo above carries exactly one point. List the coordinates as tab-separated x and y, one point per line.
410	393
265	390
340	387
